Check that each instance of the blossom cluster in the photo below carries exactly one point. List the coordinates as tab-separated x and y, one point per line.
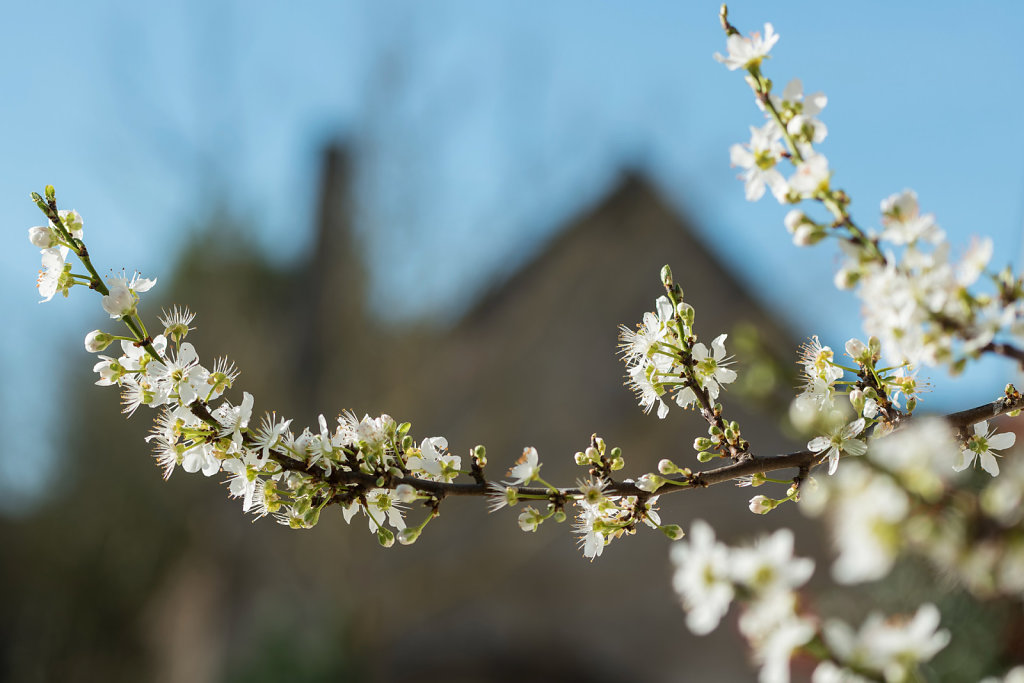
902	498
917	300
272	468
765	577
663	356
371	466
602	516
55	275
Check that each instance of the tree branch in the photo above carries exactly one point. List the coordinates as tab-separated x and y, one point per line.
754	464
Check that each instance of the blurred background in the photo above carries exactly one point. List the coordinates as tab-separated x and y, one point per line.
441	211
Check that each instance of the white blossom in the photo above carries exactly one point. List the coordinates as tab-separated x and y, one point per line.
981	446
747	52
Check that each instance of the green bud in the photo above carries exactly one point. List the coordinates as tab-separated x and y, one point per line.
911	404
311	517
701	443
715	430
857	400
592	454
480	453
559	516
51	194
666	466
407	443
403	428
618	464
385	537
666	276
616	452
735	426
406	536
673	531
580	458
705	456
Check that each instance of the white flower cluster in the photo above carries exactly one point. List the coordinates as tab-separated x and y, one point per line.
879	397
271	468
601	516
709	575
916	300
663	355
55	275
902	499
887	648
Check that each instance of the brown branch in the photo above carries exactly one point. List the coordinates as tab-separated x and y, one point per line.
1007	350
754	464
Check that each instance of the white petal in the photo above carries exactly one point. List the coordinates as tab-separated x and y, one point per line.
725	375
989	464
819	443
1001	441
719	346
963	461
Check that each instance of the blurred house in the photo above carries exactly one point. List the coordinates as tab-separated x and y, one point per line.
195	593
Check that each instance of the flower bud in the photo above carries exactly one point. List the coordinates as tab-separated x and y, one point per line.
857	350
592	454
385	537
794	219
857	401
666	276
761	505
701	443
559	516
580	458
846	278
529	519
51	194
807	235
650	483
673	531
480	455
42	237
705	456
618	464
96	341
120	301
875	345
758	479
408	535
666	466
405	494
685	312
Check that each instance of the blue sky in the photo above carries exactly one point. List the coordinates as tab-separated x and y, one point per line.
486	124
